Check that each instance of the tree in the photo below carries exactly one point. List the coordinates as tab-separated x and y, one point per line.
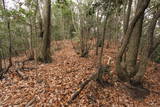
127	16
45	11
146	50
134	43
0	62
140	12
7	21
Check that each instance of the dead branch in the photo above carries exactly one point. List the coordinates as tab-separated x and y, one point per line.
103	70
94	76
30	102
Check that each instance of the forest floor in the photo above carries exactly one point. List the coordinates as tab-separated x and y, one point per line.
51	85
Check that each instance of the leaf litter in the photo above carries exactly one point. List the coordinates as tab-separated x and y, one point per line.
53	84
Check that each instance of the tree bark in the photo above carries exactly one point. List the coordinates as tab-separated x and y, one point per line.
0	64
126	20
9	34
98	20
10	44
45	55
127	37
146	50
100	72
31	54
133	45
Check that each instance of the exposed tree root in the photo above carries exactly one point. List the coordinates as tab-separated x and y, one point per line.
4	71
94	77
74	96
22	68
19	67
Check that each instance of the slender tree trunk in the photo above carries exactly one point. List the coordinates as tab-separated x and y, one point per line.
98	21
1	2
36	33
100	72
9	34
31	56
10	44
127	17
0	62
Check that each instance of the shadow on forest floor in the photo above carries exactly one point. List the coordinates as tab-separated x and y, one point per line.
138	93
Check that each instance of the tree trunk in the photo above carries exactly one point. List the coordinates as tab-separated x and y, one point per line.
10	44
7	19
0	64
126	20
31	54
45	55
100	71
127	37
133	45
9	34
146	50
98	22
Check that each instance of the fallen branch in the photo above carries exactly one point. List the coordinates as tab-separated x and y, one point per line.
74	96
30	102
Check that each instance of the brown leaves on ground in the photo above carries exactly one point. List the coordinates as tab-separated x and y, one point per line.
53	84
